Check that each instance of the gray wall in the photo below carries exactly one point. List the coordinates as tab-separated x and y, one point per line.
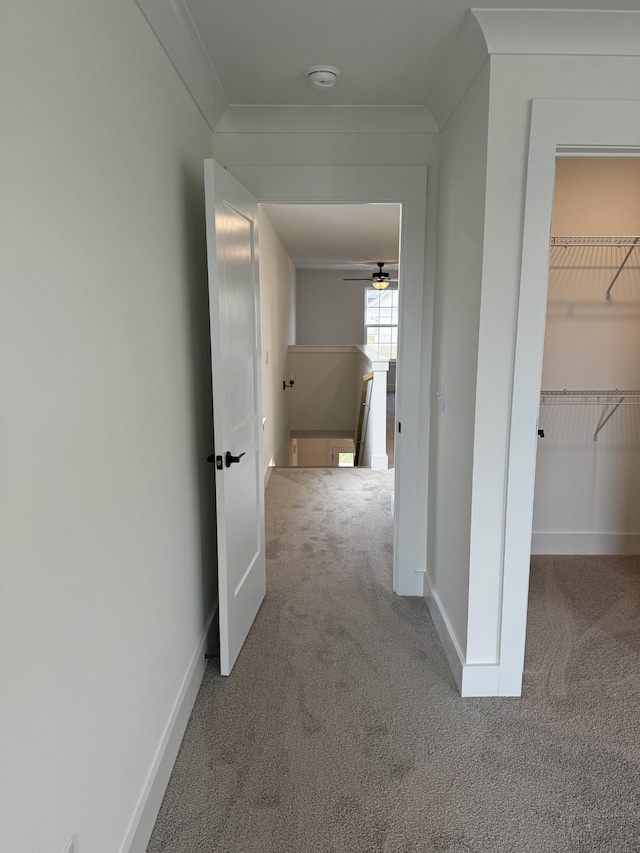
455	351
328	309
107	513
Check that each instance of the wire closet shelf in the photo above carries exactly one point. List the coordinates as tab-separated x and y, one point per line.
626	245
614	398
566	397
566	242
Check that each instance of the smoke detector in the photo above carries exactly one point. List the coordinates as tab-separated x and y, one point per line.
322	76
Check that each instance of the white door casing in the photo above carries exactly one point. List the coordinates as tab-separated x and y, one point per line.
558	127
231	214
407	186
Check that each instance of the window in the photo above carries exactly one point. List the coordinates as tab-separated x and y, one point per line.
345	460
381	320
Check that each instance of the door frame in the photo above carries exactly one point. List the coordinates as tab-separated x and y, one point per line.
406	186
563	127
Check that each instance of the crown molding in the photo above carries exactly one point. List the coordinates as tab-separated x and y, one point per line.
464	59
560	32
345	268
326	119
173	26
542	32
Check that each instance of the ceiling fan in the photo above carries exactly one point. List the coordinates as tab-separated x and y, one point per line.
379	279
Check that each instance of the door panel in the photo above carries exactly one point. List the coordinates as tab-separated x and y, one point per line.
237	406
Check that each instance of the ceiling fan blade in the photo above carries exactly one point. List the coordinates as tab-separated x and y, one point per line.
356	279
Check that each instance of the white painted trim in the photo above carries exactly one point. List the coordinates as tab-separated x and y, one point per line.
487	32
561	32
275	118
471	679
372	354
405	185
311	348
338	434
365	268
148	806
481	679
380	462
267	475
463	61
173	26
452	650
554	124
585	543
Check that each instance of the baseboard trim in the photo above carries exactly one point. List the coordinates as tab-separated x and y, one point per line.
480	679
472	680
148	806
380	462
450	644
585	543
267	475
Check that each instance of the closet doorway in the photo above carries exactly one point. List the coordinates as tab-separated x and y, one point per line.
585	567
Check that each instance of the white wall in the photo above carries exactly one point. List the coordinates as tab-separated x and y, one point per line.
588	493
328	309
277	319
330	149
456	317
107	551
515	81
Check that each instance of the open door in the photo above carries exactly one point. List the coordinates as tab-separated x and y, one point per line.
231	213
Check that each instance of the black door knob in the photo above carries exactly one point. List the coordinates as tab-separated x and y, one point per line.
229	459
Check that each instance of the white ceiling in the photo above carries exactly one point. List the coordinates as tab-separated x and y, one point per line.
404	66
337	235
389	51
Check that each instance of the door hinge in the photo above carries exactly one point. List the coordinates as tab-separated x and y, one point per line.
399	427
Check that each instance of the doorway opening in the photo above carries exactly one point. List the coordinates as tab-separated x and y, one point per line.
405	186
330	325
330	316
585	565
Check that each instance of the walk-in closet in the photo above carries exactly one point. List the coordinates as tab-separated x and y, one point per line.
586	524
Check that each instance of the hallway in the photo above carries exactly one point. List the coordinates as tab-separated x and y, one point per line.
341	731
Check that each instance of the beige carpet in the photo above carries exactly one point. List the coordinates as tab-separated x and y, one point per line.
340	729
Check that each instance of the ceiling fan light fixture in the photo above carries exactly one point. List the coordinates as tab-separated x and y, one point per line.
322	76
380	283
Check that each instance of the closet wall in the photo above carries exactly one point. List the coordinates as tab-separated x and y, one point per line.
588	492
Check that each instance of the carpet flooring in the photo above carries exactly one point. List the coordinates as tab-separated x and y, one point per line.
341	731
391	428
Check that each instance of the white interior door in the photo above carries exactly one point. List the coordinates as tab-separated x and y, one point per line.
237	418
